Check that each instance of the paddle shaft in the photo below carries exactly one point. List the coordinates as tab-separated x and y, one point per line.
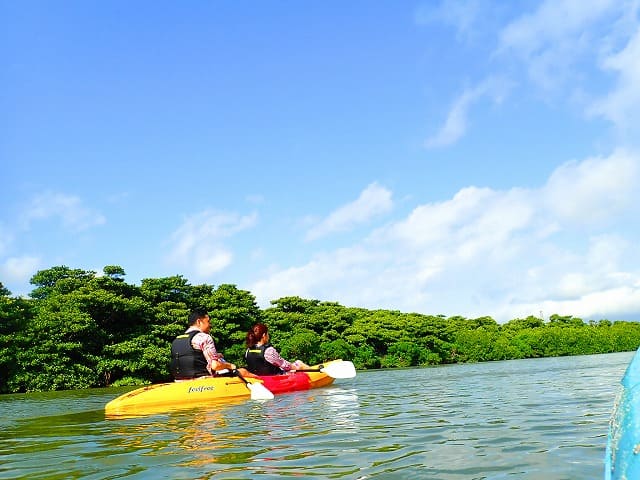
237	374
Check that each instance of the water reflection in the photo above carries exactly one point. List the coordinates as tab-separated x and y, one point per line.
343	408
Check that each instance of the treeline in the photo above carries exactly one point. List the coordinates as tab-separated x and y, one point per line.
79	330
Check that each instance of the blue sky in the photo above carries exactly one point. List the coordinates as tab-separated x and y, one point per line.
456	157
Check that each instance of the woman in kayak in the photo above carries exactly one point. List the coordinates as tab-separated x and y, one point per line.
262	358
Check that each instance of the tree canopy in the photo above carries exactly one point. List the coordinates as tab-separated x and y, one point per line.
80	329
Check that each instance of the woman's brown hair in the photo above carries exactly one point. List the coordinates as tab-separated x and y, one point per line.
255	334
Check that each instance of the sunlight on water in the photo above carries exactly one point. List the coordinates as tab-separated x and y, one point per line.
540	419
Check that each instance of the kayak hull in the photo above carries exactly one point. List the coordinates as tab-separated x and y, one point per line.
622	459
294	382
185	394
163	397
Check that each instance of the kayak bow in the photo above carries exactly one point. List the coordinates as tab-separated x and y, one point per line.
622	459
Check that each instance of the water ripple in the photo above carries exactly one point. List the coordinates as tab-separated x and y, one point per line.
532	419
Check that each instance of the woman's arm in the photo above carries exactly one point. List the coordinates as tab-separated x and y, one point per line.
272	356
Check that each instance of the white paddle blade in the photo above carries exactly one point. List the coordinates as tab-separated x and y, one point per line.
341	369
259	391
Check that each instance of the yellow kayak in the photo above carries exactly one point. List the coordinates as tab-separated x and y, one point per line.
161	397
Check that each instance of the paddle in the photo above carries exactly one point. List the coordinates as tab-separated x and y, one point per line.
258	390
337	369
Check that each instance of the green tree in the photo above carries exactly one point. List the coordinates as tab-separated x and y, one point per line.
303	345
62	278
336	349
365	357
60	337
565	321
402	354
232	312
174	289
15	315
523	323
294	304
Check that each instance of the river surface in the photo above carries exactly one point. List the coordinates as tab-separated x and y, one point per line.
539	419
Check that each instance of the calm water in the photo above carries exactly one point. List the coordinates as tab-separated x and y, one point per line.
542	419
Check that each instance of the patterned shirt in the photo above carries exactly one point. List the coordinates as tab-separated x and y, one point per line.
272	356
204	342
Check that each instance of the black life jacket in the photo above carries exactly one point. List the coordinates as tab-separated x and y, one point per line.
256	362
186	361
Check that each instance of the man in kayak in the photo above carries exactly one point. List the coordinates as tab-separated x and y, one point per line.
262	358
194	354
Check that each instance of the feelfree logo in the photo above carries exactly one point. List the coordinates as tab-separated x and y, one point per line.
200	389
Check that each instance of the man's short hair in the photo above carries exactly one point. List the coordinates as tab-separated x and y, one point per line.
196	314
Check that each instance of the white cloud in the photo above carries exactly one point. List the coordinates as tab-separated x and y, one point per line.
552	39
606	254
455	126
18	270
593	190
506	254
560	45
552	24
612	304
321	276
461	15
198	245
68	208
622	104
373	201
599	271
565	39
